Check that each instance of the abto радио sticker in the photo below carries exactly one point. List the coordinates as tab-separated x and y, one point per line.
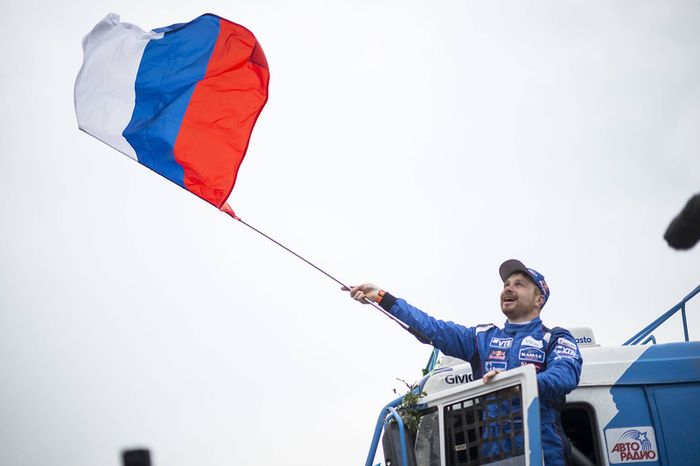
631	445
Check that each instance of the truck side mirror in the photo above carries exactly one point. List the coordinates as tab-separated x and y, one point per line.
391	443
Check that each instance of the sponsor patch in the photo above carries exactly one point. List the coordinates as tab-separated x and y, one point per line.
501	343
483	328
631	445
529	341
531	354
497	354
565	342
564	351
494	366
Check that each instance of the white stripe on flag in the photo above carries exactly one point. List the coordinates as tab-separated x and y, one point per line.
105	87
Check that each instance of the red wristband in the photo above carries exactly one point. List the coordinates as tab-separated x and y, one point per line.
379	297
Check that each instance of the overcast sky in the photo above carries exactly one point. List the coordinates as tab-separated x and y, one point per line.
413	144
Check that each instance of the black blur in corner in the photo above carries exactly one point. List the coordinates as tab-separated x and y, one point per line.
684	230
140	457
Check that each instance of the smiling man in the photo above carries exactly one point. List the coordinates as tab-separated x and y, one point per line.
489	349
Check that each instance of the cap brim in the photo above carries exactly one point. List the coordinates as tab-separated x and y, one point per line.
511	266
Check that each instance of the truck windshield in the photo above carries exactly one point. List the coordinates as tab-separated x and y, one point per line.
428	440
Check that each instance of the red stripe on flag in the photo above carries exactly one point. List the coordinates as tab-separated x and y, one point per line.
223	109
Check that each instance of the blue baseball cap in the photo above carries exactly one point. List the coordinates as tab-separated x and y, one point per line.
511	266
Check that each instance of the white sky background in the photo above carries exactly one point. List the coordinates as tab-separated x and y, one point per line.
413	144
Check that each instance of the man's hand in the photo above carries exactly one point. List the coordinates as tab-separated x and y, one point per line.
488	377
360	292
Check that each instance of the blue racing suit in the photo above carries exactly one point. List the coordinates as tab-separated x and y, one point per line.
554	354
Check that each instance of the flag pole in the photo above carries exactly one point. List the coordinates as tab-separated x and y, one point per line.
227	209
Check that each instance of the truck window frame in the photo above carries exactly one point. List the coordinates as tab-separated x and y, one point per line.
576	428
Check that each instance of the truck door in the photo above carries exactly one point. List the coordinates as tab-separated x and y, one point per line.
493	424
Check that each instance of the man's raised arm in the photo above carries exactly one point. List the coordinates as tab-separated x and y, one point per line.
450	338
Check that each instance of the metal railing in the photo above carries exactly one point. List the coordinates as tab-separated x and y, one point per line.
389	411
646	331
432	362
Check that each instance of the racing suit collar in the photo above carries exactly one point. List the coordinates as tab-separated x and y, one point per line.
513	329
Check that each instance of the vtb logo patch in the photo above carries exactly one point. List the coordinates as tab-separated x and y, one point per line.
501	343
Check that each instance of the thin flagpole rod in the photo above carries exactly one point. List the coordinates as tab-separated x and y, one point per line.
294	253
230	212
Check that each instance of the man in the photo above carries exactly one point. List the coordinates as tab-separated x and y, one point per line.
489	349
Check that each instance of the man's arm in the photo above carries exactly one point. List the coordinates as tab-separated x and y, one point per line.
563	366
450	338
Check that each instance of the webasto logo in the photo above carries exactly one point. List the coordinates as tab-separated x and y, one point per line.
584	340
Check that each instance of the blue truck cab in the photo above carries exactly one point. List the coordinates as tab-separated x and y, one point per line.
638	403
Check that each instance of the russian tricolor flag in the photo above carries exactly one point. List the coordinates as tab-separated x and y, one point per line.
182	100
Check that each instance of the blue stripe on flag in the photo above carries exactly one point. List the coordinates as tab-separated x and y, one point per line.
169	70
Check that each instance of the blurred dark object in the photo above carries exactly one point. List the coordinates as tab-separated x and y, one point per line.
140	457
684	230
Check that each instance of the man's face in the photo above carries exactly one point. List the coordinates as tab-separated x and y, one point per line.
520	298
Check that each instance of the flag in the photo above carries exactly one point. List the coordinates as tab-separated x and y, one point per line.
181	100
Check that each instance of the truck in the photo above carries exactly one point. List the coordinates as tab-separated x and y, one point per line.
637	403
